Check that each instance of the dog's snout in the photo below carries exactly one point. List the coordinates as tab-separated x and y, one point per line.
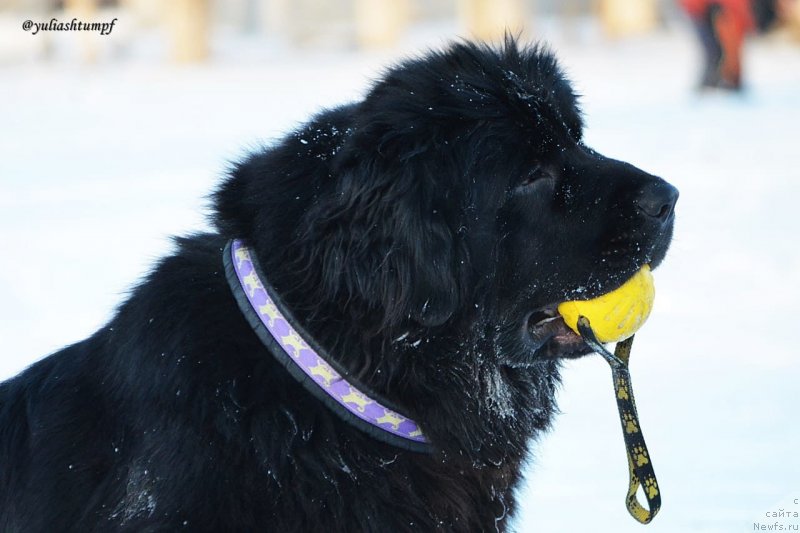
657	200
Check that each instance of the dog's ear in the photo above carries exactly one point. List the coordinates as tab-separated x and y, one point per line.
426	257
385	240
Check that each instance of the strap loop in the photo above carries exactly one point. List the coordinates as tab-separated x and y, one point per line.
640	466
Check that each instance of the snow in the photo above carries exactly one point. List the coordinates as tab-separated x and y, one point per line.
139	500
100	165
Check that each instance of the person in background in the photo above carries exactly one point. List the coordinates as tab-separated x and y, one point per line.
722	26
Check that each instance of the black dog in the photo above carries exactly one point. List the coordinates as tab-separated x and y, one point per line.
422	238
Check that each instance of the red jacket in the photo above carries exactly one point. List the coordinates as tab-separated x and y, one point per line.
739	9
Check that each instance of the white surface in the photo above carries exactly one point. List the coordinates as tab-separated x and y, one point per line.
112	160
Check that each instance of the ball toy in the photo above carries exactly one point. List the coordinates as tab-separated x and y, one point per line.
616	315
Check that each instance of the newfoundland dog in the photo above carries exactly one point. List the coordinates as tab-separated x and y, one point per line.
368	341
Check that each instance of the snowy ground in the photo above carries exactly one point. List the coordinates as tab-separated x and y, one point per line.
100	165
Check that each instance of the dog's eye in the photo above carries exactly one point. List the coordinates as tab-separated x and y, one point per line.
536	175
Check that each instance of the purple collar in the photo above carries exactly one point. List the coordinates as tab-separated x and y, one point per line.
307	362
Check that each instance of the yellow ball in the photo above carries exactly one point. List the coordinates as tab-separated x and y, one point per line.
618	314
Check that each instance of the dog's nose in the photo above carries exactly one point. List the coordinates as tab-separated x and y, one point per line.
657	200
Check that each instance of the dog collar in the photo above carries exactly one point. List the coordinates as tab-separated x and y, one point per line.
307	362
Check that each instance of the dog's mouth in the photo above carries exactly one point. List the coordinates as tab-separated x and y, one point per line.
549	336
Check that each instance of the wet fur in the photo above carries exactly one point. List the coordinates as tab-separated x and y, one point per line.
392	228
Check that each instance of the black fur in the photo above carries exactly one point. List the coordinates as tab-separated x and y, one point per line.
415	234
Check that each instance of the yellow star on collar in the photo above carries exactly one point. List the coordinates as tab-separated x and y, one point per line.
393	419
294	341
252	283
358	399
271	311
242	254
325	372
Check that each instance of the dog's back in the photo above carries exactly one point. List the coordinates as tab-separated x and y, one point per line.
52	424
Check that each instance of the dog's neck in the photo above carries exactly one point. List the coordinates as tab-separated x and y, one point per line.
408	368
413	365
307	362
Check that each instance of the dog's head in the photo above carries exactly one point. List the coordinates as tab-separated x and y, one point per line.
446	215
465	185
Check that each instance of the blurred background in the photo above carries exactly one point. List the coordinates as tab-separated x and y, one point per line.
110	144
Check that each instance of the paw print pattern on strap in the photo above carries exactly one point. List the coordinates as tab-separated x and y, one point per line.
622	389
640	456
629	422
651	487
640	467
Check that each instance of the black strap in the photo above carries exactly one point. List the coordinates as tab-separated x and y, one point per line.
640	465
